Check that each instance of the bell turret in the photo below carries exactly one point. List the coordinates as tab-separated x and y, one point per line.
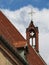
32	36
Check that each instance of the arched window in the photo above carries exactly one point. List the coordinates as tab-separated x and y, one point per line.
30	41
33	42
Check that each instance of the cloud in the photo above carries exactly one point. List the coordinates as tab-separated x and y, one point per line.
21	19
41	18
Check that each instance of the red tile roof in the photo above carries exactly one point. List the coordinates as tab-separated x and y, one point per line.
10	33
34	58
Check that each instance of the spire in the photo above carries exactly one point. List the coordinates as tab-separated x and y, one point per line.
31	24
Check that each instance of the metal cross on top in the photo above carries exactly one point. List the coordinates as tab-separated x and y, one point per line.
31	13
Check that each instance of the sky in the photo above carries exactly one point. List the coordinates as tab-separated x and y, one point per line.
17	11
16	4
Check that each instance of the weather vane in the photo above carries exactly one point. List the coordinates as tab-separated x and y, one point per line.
31	13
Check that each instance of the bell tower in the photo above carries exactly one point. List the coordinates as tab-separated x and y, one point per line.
32	36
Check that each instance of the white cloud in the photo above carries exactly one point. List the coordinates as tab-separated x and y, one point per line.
21	19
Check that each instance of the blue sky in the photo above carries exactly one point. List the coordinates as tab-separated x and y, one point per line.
16	4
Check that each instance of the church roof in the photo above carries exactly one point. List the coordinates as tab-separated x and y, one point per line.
33	57
11	52
10	33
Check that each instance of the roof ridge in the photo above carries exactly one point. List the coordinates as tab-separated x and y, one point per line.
11	23
11	33
40	57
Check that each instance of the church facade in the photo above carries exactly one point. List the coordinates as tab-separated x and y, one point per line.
14	48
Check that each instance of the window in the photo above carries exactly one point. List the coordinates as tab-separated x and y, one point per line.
32	42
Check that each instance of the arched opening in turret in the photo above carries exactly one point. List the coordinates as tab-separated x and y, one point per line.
32	42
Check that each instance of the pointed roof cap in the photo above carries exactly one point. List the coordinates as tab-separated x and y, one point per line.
31	24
